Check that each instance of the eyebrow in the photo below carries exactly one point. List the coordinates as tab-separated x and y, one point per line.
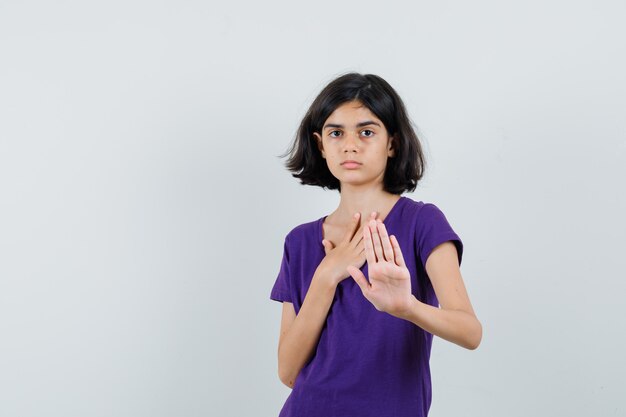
361	124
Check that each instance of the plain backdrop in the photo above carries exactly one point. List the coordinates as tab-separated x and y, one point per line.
143	205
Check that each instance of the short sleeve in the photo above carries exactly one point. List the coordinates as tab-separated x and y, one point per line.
281	289
434	229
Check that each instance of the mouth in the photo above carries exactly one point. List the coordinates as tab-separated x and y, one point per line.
350	164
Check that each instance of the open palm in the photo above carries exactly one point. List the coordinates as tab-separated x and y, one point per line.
389	286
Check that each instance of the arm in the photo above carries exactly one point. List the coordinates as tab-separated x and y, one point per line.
300	333
455	321
389	288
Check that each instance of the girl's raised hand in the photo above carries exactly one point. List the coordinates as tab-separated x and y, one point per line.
389	286
349	251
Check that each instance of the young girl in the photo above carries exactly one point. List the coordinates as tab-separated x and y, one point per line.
361	287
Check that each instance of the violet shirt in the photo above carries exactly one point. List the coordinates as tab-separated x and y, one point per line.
367	362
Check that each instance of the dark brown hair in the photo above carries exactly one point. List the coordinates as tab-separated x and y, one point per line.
403	170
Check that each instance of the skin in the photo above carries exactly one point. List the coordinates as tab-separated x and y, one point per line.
351	238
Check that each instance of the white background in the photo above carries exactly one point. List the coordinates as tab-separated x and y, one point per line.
143	206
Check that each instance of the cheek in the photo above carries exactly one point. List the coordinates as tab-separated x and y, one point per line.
381	154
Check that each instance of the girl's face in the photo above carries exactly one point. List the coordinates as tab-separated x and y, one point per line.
353	132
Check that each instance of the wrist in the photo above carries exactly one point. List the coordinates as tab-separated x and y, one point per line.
324	279
407	309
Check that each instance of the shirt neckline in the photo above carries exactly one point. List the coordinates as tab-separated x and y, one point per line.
320	221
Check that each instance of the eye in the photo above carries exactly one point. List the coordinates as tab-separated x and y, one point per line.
369	133
331	133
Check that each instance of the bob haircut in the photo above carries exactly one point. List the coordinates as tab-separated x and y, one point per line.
403	170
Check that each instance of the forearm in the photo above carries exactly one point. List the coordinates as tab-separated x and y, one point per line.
456	326
301	339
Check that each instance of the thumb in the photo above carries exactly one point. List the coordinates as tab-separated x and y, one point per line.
359	278
328	246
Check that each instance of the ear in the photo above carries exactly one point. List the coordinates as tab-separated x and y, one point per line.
391	151
320	144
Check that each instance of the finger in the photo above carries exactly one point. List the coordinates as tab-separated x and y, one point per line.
366	222
360	232
358	236
369	246
353	227
359	278
378	248
356	241
384	238
397	251
372	216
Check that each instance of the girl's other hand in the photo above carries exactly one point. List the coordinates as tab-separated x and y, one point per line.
349	251
389	285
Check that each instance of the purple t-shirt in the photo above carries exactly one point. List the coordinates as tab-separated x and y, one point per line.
367	362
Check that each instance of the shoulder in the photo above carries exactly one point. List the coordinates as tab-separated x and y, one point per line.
302	232
412	205
423	215
418	209
423	209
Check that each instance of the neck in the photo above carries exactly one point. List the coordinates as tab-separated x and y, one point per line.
364	200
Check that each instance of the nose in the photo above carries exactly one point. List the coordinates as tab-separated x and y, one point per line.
350	144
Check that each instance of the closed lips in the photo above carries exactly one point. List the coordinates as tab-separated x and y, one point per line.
350	162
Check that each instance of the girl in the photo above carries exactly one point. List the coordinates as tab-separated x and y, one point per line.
360	347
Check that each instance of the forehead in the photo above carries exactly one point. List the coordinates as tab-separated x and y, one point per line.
352	110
